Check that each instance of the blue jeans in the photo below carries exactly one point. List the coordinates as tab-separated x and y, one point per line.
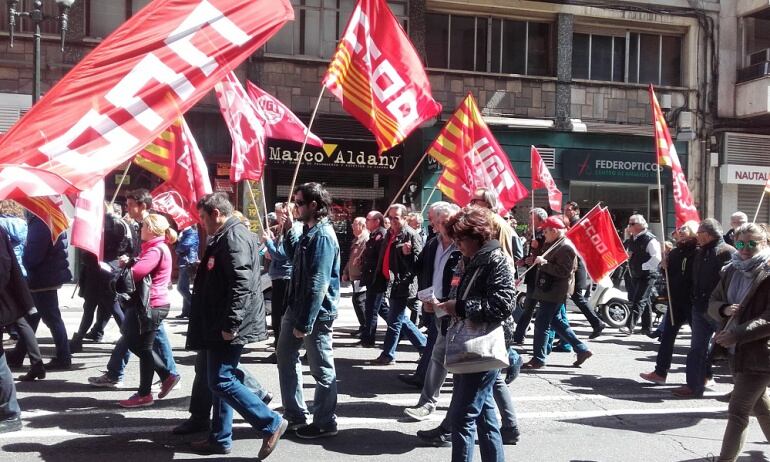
47	304
698	367
549	316
668	336
398	320
116	366
320	358
229	393
183	287
376	304
422	365
473	411
9	407
436	372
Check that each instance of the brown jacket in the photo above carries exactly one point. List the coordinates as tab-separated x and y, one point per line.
353	270
555	280
752	327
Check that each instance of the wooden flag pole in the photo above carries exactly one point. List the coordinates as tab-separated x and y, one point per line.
256	207
122	179
264	201
304	143
430	196
663	248
759	207
406	182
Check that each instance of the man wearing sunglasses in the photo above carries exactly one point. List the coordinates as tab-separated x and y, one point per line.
712	255
644	256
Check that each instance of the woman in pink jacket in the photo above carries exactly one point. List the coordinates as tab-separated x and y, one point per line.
140	326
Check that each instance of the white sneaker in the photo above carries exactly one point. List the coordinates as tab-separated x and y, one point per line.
419	413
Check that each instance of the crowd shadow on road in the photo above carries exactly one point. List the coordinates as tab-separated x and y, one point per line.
366	442
650	424
618	388
68	404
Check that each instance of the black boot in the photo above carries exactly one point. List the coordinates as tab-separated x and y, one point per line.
76	344
36	372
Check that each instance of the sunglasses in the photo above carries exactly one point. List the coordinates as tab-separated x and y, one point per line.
740	245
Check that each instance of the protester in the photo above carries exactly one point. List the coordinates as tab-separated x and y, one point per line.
414	220
538	217
17	301
314	296
187	259
737	220
485	294
712	255
224	317
554	282
741	301
679	263
47	269
501	232
144	316
353	270
399	267
644	257
375	303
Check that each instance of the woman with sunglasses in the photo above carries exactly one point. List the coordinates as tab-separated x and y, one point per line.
742	301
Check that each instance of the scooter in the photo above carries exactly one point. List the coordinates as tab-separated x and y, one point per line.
610	303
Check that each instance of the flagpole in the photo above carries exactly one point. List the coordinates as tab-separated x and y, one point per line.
406	182
663	246
759	207
264	201
122	179
430	196
304	143
256	207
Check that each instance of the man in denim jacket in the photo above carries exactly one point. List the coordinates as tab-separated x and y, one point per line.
314	295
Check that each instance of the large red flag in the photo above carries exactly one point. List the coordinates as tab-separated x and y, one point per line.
189	181
378	77
148	72
246	130
541	178
683	204
49	210
278	120
596	240
473	159
88	226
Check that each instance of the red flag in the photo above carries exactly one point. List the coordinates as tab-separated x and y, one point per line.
148	72
279	122
246	129
88	227
541	178
683	205
473	159
596	240
189	182
378	77
49	210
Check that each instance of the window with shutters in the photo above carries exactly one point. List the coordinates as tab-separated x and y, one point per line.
12	107
748	198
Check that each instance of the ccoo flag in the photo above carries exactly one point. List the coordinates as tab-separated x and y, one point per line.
378	77
473	159
683	204
596	240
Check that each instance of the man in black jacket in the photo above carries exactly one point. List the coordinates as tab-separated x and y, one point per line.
376	284
712	255
398	264
644	256
227	313
15	302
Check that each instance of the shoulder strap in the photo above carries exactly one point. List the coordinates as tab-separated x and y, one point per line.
470	283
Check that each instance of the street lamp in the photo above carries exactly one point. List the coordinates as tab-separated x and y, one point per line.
37	17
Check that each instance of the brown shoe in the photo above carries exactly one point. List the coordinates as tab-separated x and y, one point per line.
685	392
533	364
269	443
582	357
382	361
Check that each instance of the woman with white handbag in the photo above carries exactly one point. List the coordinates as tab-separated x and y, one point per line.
475	340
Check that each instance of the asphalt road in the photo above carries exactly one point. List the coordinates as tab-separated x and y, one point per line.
600	412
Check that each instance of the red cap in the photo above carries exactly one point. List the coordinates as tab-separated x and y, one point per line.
553	223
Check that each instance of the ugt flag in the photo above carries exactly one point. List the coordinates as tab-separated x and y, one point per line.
473	159
148	72
541	178
683	205
278	120
378	77
596	240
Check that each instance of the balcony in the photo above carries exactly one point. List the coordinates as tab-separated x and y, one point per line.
752	98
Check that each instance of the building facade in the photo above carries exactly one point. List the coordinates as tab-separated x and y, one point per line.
570	79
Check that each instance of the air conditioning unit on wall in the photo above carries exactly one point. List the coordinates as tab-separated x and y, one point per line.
759	57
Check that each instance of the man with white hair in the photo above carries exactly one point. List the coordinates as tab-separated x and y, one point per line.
737	220
644	256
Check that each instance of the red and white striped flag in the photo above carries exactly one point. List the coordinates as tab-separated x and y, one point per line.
541	178
88	226
278	120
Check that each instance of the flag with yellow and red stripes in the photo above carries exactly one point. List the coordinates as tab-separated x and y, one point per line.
473	159
49	210
378	77
159	156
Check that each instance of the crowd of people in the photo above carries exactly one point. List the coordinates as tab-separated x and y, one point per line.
449	288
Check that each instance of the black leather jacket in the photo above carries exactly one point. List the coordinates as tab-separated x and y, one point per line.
490	294
403	268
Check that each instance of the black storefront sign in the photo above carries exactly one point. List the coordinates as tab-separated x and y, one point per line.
359	156
611	166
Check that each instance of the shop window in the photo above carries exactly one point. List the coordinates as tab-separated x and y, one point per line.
633	58
318	25
756	48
